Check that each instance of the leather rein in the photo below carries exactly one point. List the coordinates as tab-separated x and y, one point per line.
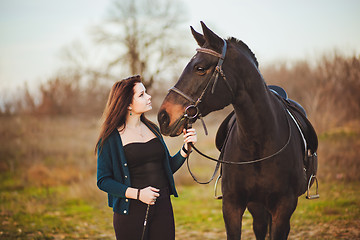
192	113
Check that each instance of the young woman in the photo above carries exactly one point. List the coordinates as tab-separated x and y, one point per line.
134	165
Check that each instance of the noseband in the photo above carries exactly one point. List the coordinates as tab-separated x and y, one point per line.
192	111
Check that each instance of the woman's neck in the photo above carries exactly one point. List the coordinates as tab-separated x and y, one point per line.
133	121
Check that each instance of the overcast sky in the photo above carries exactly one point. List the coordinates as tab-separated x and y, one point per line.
33	32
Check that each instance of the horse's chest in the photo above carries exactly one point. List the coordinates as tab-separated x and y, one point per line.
246	177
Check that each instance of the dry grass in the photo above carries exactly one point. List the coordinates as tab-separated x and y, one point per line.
45	151
339	152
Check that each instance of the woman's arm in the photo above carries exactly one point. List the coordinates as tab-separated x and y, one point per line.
178	159
107	183
105	176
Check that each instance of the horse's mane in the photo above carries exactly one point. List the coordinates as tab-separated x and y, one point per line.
243	46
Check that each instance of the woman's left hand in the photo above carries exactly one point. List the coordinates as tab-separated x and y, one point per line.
190	136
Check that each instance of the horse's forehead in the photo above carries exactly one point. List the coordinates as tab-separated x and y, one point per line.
195	57
201	57
189	74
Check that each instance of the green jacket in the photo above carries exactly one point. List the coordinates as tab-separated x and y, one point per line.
113	174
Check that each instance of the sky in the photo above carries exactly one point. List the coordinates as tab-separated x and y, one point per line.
33	32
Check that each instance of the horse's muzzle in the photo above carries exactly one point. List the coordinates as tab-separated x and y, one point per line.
170	130
164	120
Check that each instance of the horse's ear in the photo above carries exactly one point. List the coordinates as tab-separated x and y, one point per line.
198	37
213	40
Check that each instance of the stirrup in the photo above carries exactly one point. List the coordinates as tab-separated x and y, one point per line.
308	196
215	188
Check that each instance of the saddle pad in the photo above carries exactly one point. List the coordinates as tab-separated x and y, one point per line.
305	126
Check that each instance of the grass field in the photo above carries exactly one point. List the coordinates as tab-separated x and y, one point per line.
40	213
48	186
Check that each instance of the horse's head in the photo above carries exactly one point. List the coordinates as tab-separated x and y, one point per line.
202	85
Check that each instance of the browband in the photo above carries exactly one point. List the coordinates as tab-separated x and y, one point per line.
209	51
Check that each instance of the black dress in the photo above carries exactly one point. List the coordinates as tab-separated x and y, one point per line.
146	167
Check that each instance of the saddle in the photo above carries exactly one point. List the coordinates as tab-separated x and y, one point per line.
309	134
224	130
298	112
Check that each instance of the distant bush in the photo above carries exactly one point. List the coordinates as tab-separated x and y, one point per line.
329	89
63	94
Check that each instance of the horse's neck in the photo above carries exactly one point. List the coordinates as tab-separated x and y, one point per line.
254	115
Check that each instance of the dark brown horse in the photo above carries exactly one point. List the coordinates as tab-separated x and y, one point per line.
262	146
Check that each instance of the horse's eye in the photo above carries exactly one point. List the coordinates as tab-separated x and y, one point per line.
200	70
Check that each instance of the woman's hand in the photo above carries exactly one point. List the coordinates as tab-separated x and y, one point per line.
190	136
149	195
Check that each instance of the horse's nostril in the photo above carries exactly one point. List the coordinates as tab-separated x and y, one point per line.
163	118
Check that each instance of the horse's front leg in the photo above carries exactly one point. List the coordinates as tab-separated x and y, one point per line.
233	211
261	219
281	218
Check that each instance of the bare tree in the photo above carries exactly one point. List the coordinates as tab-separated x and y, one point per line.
144	36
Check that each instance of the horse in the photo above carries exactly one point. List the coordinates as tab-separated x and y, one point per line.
262	147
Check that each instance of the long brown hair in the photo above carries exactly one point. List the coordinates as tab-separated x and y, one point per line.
114	116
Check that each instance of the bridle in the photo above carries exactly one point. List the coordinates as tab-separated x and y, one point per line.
192	113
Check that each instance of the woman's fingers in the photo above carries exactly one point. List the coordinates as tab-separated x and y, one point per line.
190	132
154	189
149	195
190	136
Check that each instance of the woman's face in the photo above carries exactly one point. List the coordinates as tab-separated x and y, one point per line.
141	101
